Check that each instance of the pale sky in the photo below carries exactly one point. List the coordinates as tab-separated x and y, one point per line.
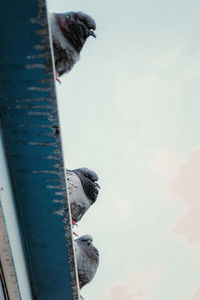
130	111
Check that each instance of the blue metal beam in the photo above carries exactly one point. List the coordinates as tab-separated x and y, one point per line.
31	133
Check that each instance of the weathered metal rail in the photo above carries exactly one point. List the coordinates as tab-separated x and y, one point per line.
30	131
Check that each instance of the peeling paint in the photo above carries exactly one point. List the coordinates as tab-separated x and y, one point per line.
39	89
35	56
54	186
35	66
30	107
44	172
42	144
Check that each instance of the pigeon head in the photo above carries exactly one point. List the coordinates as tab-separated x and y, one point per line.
88	180
87	239
76	27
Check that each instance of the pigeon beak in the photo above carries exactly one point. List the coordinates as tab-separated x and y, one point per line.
96	184
91	32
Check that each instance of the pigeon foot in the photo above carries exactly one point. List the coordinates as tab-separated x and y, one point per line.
57	79
74	233
74	223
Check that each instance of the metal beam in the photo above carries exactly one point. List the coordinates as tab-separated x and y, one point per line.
32	143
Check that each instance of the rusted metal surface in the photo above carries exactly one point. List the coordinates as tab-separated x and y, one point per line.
31	133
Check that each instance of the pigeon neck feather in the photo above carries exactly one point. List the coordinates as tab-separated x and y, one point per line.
58	35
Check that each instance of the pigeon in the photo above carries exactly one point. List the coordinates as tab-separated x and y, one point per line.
87	257
83	191
69	32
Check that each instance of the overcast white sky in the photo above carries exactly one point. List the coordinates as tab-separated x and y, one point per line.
130	111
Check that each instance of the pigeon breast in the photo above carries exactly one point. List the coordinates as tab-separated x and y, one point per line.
79	202
65	55
82	190
87	257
